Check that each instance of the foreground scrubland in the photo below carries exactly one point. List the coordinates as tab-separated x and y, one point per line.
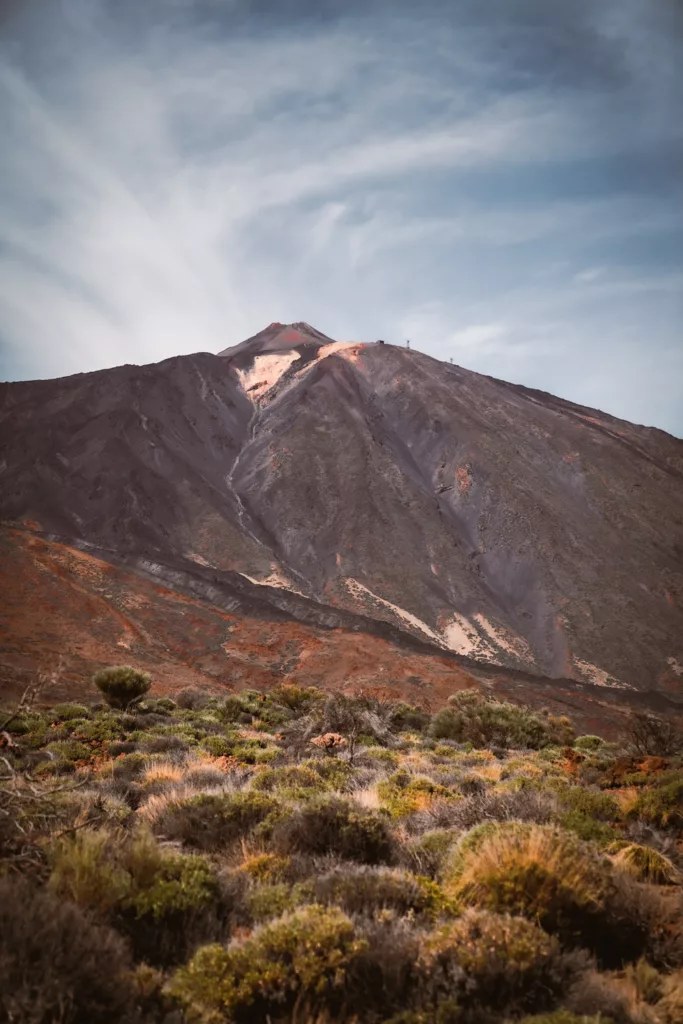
302	857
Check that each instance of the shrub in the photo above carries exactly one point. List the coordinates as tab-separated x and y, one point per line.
647	734
426	855
481	720
298	699
589	813
495	962
551	877
588	742
299	959
122	685
68	712
212	821
403	793
337	774
366	890
69	750
191	698
646	864
266	902
267	867
335	826
162	902
102	729
127	767
56	964
291	777
662	805
218	746
409	718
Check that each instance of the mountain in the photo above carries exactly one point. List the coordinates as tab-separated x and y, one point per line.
358	488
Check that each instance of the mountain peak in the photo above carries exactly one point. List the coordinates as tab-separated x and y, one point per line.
277	337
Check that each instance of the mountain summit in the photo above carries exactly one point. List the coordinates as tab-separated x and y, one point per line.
481	519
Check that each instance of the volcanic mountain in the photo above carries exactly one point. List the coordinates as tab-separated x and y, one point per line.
344	489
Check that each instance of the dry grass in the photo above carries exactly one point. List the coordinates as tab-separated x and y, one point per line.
162	771
625	798
158	803
647	865
367	798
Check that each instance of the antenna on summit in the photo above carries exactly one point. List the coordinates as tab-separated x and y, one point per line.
407	343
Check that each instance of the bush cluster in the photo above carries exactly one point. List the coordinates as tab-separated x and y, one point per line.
204	859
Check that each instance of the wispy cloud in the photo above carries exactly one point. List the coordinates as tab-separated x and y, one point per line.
502	186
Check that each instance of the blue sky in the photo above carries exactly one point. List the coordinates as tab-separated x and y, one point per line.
500	181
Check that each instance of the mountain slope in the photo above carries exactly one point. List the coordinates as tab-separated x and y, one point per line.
489	520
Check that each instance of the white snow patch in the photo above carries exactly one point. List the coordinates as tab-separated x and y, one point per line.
265	372
360	591
274	579
676	666
598	676
462	637
199	559
508	641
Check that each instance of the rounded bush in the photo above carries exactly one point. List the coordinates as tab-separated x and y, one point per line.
162	902
302	958
474	717
335	826
122	685
56	964
369	890
212	821
551	877
495	962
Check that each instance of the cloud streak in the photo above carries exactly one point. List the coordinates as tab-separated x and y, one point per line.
501	187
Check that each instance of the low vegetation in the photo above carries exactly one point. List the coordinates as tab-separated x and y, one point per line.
300	858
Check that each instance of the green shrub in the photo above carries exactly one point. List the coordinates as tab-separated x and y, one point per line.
588	813
129	766
662	805
495	963
293	778
369	890
588	742
265	902
69	750
297	699
300	959
67	712
101	729
337	774
56	964
161	901
230	709
471	716
335	826
403	794
122	685
426	855
218	746
213	821
409	718
549	876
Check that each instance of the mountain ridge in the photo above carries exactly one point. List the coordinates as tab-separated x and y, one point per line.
488	519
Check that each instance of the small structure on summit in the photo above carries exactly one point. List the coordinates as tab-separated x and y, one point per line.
380	341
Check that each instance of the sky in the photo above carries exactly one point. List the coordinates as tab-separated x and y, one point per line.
499	181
